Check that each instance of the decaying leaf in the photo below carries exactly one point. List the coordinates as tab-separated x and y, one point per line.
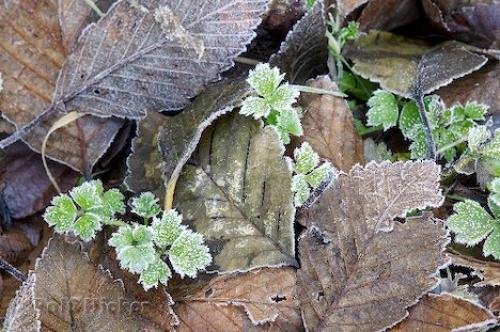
32	55
408	67
328	126
76	15
347	6
259	300
488	272
24	186
67	292
354	277
14	246
444	313
304	53
388	15
236	191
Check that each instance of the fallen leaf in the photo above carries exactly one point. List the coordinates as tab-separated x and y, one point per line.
388	15
409	67
488	272
66	291
304	52
328	126
481	86
14	246
354	277
259	300
347	6
24	185
444	313
30	71
75	15
236	191
166	143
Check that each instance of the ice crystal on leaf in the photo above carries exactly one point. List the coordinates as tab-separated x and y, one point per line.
188	254
146	205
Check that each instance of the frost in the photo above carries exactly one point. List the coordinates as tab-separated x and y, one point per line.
167	228
146	205
383	110
188	254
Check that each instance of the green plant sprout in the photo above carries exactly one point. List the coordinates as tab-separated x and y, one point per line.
308	175
337	38
450	126
274	102
473	224
140	248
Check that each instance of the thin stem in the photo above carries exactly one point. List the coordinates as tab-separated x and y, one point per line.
115	222
310	89
5	266
94	7
429	140
451	145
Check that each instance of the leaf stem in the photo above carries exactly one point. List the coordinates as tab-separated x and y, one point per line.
115	222
309	89
92	5
452	145
429	140
247	61
169	194
5	266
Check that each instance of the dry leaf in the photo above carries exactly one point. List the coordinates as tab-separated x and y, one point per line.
236	302
328	126
75	15
14	246
408	67
68	292
443	313
304	52
164	144
24	185
388	15
236	191
30	70
347	6
355	278
488	272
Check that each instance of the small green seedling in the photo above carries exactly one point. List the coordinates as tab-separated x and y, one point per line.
308	175
140	248
473	224
274	102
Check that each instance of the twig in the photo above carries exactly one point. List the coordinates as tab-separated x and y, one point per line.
92	5
5	266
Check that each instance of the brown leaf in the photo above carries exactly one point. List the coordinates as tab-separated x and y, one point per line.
355	278
30	70
328	126
25	187
14	246
347	6
481	86
265	298
388	15
67	292
488	272
444	313
75	15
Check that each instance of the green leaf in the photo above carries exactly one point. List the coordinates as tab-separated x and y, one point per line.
472	110
189	254
264	79
134	247
471	222
301	189
355	85
167	228
113	201
87	225
157	272
477	136
320	174
418	147
383	110
88	195
288	123
409	120
146	205
305	159
492	244
61	214
284	97
256	107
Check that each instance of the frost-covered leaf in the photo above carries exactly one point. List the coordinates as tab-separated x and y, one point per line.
167	228
113	201
495	194
87	226
477	136
328	126
444	312
236	191
164	144
409	67
287	124
471	221
409	120
304	52
306	159
67	291
487	271
134	247
188	254
30	70
301	189
237	302
156	273
265	80
146	205
61	214
351	272
376	151
383	111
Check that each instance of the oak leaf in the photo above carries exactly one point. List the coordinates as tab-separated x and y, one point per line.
236	191
360	270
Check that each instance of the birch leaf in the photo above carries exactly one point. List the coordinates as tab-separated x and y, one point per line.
68	292
409	67
354	277
304	52
444	313
328	126
163	144
236	191
237	302
30	72
154	55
